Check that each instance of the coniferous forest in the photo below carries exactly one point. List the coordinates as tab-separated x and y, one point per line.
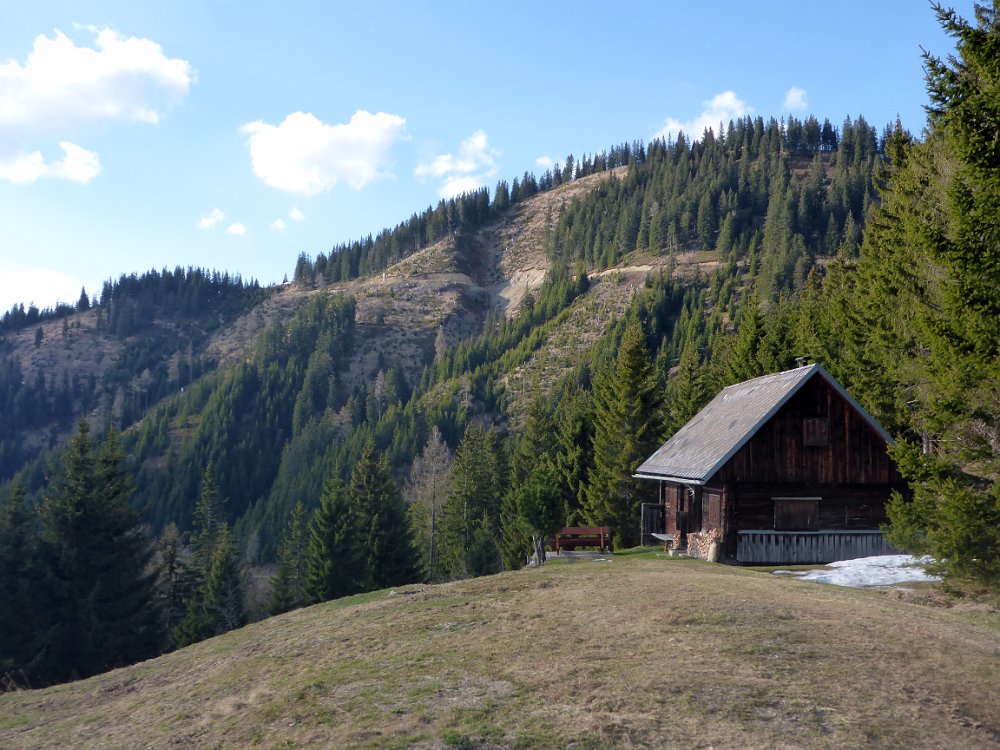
237	451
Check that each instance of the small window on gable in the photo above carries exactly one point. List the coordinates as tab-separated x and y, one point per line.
796	513
815	432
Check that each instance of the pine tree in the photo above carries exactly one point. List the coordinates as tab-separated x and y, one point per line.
333	558
288	588
628	425
103	596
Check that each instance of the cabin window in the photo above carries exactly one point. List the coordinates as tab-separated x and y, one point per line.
796	513
816	432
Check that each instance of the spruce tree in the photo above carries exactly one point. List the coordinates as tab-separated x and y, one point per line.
21	627
223	592
534	444
388	557
210	530
333	558
933	254
628	426
104	610
573	437
208	522
470	524
177	582
540	506
288	587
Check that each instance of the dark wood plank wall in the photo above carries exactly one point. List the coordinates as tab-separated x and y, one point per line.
840	506
856	453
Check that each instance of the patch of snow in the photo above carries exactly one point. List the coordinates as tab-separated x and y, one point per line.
883	570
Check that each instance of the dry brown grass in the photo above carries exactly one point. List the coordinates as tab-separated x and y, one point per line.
627	653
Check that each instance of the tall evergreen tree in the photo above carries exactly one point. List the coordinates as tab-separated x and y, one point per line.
21	627
177	582
470	524
628	426
104	609
540	506
388	557
208	522
534	445
573	437
688	391
223	592
333	556
933	252
205	618
288	588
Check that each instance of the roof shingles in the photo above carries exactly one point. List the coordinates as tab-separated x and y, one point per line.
727	423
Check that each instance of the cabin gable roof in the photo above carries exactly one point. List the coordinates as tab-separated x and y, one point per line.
730	420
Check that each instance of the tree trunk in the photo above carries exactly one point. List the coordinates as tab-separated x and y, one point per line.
539	544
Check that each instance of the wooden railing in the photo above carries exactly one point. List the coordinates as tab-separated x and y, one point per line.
803	547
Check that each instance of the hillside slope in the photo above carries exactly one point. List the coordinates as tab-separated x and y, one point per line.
624	653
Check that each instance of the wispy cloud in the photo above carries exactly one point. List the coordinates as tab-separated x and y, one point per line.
237	229
278	225
304	155
296	215
474	165
211	219
544	161
721	108
77	165
795	100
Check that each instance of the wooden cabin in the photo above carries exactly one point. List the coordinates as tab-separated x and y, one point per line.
784	468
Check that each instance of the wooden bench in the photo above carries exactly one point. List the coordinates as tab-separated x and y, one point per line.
582	536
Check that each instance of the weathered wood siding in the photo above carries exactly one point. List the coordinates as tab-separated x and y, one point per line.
806	547
784	449
854	506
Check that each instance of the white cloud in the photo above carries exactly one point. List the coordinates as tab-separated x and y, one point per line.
795	100
210	219
474	165
720	108
77	165
305	155
237	229
544	161
278	225
61	84
43	286
296	215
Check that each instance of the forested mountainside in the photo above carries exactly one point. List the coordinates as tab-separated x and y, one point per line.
432	402
424	325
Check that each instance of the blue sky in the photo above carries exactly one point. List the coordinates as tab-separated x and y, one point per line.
235	135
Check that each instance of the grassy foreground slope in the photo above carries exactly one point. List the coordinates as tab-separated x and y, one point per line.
628	653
